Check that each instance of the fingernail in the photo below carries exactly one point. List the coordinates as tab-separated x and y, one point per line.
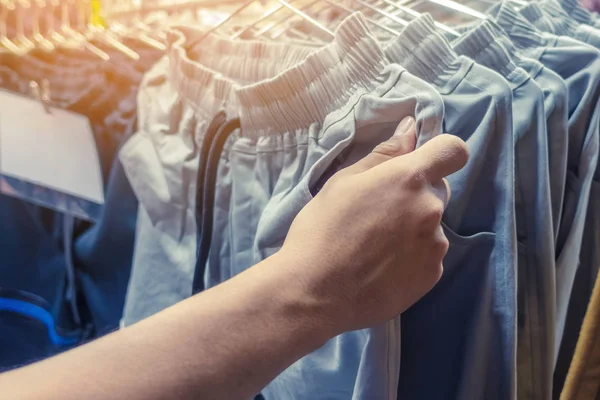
405	126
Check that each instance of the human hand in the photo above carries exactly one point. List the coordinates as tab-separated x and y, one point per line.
370	244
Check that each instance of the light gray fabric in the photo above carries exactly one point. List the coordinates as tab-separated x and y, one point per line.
177	101
160	162
297	128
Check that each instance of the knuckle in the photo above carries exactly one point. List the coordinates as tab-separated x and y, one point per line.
390	147
437	211
433	214
416	177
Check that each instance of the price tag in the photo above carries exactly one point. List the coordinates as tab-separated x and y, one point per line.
48	156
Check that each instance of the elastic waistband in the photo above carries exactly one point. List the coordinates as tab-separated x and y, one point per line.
320	84
481	45
205	90
532	12
532	66
501	36
553	8
522	33
424	52
557	22
565	26
246	61
576	11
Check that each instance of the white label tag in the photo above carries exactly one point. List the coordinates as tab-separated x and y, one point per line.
55	150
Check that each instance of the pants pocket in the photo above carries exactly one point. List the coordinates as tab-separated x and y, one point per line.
458	327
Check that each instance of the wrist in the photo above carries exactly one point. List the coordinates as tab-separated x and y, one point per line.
314	320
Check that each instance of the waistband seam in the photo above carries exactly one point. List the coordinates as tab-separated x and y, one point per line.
354	61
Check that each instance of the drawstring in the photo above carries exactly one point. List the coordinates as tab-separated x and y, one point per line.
204	213
219	119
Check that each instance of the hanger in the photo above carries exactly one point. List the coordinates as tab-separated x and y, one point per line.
142	36
36	35
5	7
289	16
133	15
244	6
96	30
391	17
263	18
369	20
308	18
51	33
169	6
72	35
416	14
226	20
328	4
453	5
294	33
20	6
291	30
142	32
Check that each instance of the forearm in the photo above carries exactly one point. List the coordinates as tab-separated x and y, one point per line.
226	343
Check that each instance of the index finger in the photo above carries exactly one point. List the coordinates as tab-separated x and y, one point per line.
439	157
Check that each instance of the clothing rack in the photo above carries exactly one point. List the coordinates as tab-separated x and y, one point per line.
213	122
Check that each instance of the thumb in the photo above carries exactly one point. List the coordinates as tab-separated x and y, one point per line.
402	142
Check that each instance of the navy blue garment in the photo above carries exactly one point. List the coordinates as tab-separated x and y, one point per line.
103	253
33	282
578	64
563	24
459	340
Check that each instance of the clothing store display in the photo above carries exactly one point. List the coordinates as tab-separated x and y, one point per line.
72	276
210	147
576	63
589	257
